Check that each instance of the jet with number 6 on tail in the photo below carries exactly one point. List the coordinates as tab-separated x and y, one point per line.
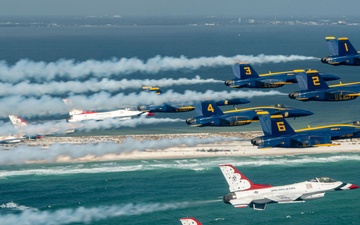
278	133
314	88
209	114
342	52
247	77
244	193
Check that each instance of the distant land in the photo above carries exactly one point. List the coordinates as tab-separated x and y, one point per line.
118	20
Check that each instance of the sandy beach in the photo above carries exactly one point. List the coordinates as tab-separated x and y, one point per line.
235	144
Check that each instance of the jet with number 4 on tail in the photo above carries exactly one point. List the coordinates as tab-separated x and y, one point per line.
209	114
247	77
314	88
279	133
174	107
244	193
342	52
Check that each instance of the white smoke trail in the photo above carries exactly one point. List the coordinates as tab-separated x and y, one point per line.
27	154
62	127
26	69
88	215
47	105
92	85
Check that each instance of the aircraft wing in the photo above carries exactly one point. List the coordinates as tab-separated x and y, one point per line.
311	140
284	197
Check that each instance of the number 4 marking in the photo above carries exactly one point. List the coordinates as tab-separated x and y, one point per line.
210	108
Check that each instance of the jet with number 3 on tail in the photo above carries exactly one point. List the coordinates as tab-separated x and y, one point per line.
247	77
314	88
209	114
342	52
279	133
244	193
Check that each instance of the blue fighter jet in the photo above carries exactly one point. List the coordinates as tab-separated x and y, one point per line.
278	133
342	52
209	114
173	106
247	77
314	88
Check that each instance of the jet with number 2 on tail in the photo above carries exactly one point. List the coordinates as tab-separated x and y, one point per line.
247	77
209	114
342	52
279	133
314	88
244	193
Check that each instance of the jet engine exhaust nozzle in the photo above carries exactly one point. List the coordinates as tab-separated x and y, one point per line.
227	198
257	141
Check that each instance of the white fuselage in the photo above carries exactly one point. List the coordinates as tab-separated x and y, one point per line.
121	114
285	194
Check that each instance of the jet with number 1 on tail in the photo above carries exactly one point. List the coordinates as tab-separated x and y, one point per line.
314	88
244	193
279	133
209	114
247	77
342	52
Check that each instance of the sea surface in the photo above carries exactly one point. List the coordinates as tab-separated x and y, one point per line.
161	191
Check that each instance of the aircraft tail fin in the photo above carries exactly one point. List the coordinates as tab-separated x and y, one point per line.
207	108
238	181
274	125
345	47
332	45
244	71
156	90
311	80
17	121
190	221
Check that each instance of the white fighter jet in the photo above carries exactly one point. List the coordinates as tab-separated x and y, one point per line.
77	115
190	221
243	192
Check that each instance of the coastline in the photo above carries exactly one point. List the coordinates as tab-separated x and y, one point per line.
234	144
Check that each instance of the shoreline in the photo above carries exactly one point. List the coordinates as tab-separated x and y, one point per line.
227	148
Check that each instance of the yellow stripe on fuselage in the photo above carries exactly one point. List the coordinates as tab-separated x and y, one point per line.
346	84
260	108
274	73
327	126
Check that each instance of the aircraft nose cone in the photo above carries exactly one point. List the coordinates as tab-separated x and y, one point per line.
353	186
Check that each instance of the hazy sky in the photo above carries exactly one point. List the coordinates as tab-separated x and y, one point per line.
180	7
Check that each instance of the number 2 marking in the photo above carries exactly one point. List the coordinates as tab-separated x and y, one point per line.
316	80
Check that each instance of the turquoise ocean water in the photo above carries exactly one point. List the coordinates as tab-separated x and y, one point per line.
162	191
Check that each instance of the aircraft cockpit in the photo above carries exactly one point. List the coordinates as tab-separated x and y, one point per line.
322	180
280	106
